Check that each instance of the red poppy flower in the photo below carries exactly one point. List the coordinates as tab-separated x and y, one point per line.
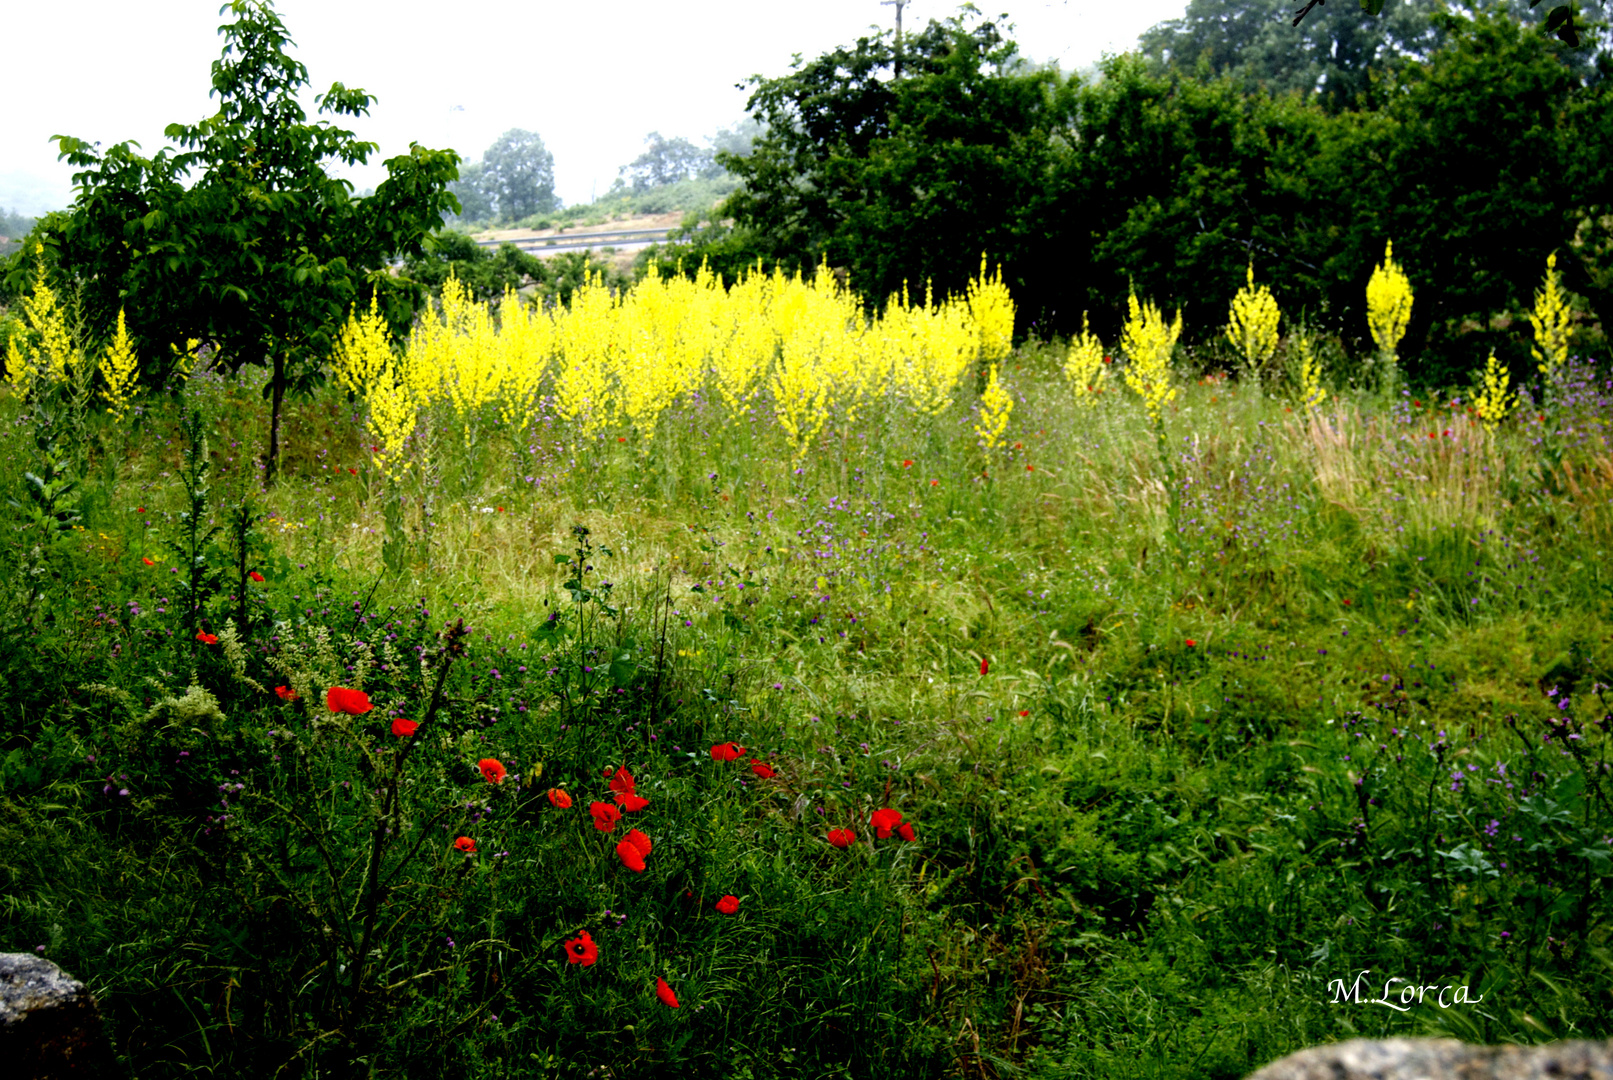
404	728
884	820
255	576
205	638
465	844
605	816
139	509
1346	603
559	799
908	464
148	562
286	693
339	699
638	840
352	471
935	483
622	780
631	801
763	770
842	838
631	857
728	905
664	992
1024	712
728	751
1191	643
1447	433
493	770
1030	468
581	949
905	831
985	665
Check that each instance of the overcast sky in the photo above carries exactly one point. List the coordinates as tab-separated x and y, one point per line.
591	78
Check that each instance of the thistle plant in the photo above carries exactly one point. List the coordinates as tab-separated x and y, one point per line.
1252	326
1388	307
1083	365
120	370
1493	400
1550	320
995	405
1147	341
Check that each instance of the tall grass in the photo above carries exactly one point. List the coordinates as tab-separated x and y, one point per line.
1171	772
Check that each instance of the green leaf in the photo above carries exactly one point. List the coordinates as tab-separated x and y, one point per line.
1372	7
562	559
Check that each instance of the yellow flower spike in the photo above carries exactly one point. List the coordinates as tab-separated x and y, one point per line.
1493	401
1084	366
1388	304
1307	370
995	405
363	350
1252	323
1551	321
120	370
991	309
1147	341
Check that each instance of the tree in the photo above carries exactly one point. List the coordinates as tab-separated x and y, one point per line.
665	162
242	238
518	173
475	202
485	273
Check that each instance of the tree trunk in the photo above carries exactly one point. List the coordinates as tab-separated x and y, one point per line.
277	395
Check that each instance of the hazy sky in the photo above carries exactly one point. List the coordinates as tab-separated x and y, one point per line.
591	78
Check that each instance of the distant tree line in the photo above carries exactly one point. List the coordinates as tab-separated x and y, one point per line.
1475	140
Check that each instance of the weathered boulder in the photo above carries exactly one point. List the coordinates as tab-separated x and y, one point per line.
50	1027
1442	1059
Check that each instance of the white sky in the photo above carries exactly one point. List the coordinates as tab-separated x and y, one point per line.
591	78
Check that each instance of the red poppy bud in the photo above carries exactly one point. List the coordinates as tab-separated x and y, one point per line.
664	992
631	857
465	844
559	799
728	905
493	770
605	816
404	728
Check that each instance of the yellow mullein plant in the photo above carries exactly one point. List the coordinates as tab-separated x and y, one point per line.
1084	367
1147	341
1388	304
995	405
991	309
1252	324
120	370
1550	320
1306	369
1493	400
48	354
363	350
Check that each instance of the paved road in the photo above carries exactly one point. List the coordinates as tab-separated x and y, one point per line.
620	239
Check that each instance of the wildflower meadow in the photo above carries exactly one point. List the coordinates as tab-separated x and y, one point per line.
758	679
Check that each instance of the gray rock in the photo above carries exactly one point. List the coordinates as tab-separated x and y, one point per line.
50	1027
1443	1059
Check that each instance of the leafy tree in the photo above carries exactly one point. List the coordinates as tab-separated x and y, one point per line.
242	238
475	201
487	273
899	180
518	174
666	161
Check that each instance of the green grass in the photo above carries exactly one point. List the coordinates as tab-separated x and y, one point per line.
1206	770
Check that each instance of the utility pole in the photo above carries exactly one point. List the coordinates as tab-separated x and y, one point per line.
898	5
